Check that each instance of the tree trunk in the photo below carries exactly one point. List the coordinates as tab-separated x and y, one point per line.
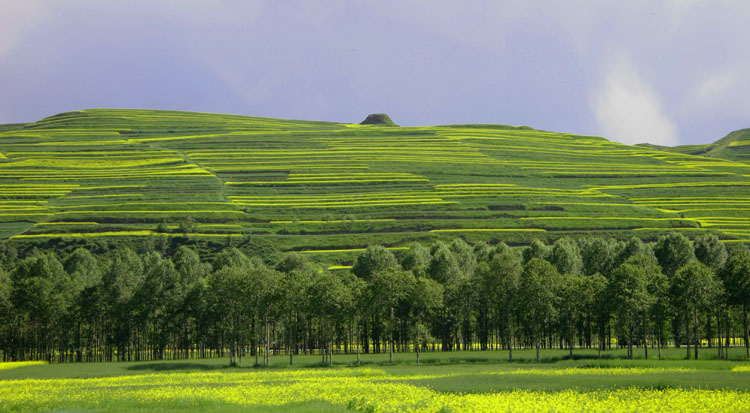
510	339
659	340
570	336
291	340
687	334
747	342
268	341
390	339
358	344
630	343
695	333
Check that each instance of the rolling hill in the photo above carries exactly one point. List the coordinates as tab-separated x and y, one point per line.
329	189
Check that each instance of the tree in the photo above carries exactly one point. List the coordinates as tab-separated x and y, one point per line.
502	280
633	247
373	260
673	251
537	249
710	251
41	292
572	299
426	297
390	288
566	257
297	278
694	289
231	257
599	306
85	273
328	297
631	297
6	313
736	277
597	256
539	282
292	261
263	295
228	290
445	270
416	259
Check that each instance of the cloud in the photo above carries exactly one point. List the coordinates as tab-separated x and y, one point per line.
629	111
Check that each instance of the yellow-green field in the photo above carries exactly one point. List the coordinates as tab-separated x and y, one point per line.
303	185
465	382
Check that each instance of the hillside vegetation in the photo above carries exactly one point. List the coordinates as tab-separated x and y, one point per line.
330	189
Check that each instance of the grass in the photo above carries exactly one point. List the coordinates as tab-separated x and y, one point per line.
456	381
325	186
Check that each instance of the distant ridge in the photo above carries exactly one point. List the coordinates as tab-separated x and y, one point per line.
735	146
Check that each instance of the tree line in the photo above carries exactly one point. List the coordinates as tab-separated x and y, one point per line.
585	293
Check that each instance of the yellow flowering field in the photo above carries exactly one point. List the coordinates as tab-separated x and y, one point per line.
367	389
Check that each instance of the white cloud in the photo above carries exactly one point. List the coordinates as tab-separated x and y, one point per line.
629	111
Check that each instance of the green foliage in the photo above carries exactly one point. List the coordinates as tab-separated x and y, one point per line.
673	251
372	261
710	251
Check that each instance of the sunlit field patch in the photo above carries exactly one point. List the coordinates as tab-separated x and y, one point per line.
16	364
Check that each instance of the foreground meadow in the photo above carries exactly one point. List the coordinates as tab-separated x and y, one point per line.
459	381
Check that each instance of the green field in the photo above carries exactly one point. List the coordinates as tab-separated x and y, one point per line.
455	381
333	188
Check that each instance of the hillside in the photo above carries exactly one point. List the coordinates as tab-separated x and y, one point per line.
735	147
329	189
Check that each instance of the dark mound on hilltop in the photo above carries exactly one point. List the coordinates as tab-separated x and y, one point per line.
378	119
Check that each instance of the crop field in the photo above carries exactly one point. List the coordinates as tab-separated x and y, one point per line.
321	186
460	381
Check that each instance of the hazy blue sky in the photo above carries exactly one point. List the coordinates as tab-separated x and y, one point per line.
673	71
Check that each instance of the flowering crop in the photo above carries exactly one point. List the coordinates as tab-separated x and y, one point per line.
360	389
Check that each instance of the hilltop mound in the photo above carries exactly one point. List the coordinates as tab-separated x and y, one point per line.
378	119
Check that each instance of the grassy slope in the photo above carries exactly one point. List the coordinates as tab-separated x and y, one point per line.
321	186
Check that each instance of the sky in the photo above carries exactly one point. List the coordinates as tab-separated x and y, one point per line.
665	72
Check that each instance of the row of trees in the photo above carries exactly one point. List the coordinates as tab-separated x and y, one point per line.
450	296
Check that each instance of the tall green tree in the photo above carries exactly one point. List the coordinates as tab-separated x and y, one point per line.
537	249
566	257
228	297
425	299
631	295
390	289
597	256
710	251
373	260
502	282
85	273
736	278
41	293
416	259
694	289
673	250
328	297
539	282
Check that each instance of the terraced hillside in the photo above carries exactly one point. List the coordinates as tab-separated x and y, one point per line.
330	189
